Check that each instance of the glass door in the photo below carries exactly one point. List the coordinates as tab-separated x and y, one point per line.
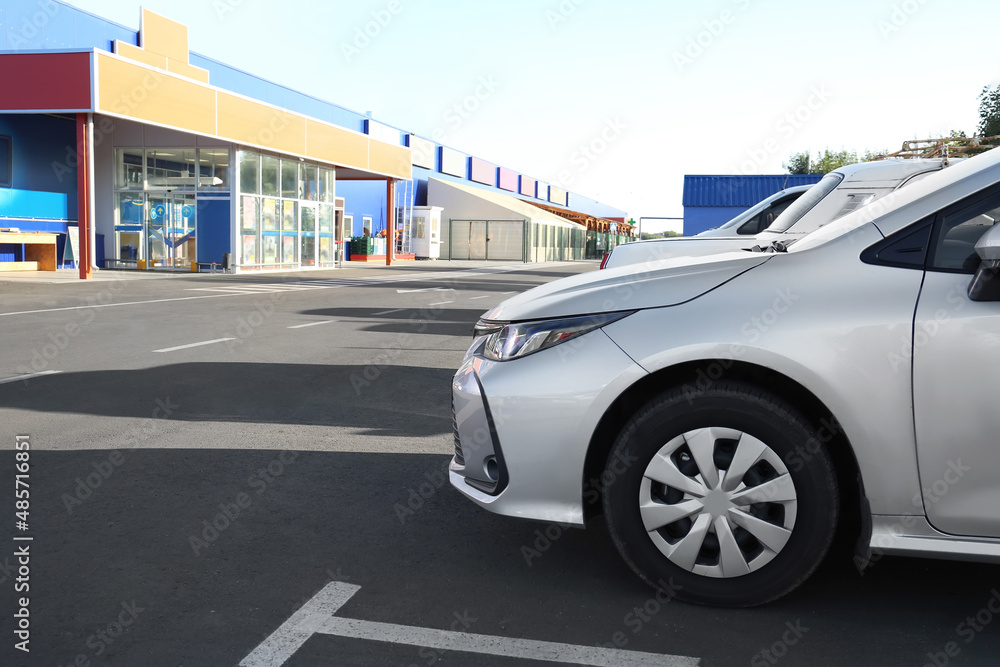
307	236
170	231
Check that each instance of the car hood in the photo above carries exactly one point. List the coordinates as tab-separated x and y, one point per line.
646	285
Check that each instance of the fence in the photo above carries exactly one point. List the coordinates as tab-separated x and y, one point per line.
515	240
599	243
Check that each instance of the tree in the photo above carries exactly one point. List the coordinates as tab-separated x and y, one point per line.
825	162
989	112
798	163
831	160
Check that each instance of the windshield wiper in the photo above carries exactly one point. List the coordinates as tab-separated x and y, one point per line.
774	246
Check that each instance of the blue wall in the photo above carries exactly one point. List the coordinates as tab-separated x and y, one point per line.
700	219
43	183
215	234
48	24
364	198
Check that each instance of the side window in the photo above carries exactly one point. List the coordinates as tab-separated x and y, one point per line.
763	220
752	226
953	247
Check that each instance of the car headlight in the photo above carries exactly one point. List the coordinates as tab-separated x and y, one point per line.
513	341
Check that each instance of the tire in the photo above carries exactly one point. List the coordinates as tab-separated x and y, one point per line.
741	503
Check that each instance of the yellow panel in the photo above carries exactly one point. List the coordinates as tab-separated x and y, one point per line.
388	159
133	53
337	145
250	122
165	37
136	92
189	71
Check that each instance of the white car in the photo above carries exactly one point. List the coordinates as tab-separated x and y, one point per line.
758	217
731	411
836	194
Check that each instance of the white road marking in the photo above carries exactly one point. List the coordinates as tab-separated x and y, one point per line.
111	305
473	298
189	345
389	312
449	275
425	289
29	376
312	324
441	303
256	289
317	617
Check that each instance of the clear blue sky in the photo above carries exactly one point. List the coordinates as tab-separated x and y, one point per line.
656	89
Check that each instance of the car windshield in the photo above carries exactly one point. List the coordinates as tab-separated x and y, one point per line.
746	215
803	204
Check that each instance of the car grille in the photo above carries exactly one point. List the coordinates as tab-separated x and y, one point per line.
459	457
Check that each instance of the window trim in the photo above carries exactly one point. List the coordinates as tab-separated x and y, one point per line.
935	222
988	195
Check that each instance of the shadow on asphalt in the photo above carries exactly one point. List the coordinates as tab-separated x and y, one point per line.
430	320
276	393
149	528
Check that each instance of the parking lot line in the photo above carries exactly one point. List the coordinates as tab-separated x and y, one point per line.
204	342
29	376
312	324
441	303
317	617
485	296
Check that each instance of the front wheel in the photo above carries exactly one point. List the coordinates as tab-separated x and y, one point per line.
726	497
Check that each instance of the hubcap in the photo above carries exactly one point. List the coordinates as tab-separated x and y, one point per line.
718	502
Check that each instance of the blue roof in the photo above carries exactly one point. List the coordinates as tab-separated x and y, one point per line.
739	190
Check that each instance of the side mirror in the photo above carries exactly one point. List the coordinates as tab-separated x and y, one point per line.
986	285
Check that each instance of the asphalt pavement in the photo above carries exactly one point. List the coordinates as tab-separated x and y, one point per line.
251	469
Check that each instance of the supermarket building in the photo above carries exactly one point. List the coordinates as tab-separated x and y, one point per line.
139	153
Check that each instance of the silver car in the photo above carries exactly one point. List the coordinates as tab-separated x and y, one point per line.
727	413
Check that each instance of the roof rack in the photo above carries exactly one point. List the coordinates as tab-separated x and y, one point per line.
945	147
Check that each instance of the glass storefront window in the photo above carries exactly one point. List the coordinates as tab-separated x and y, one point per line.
288	221
269	176
325	249
249	249
326	215
288	243
309	182
213	168
249	173
249	213
327	185
308	250
290	179
171	169
270	248
308	218
131	215
270	215
129	169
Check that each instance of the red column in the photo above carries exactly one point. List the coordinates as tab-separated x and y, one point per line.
83	195
390	216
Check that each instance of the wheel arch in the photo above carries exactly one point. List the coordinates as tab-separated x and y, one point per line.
697	376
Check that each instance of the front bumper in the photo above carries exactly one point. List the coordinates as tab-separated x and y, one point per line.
522	427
